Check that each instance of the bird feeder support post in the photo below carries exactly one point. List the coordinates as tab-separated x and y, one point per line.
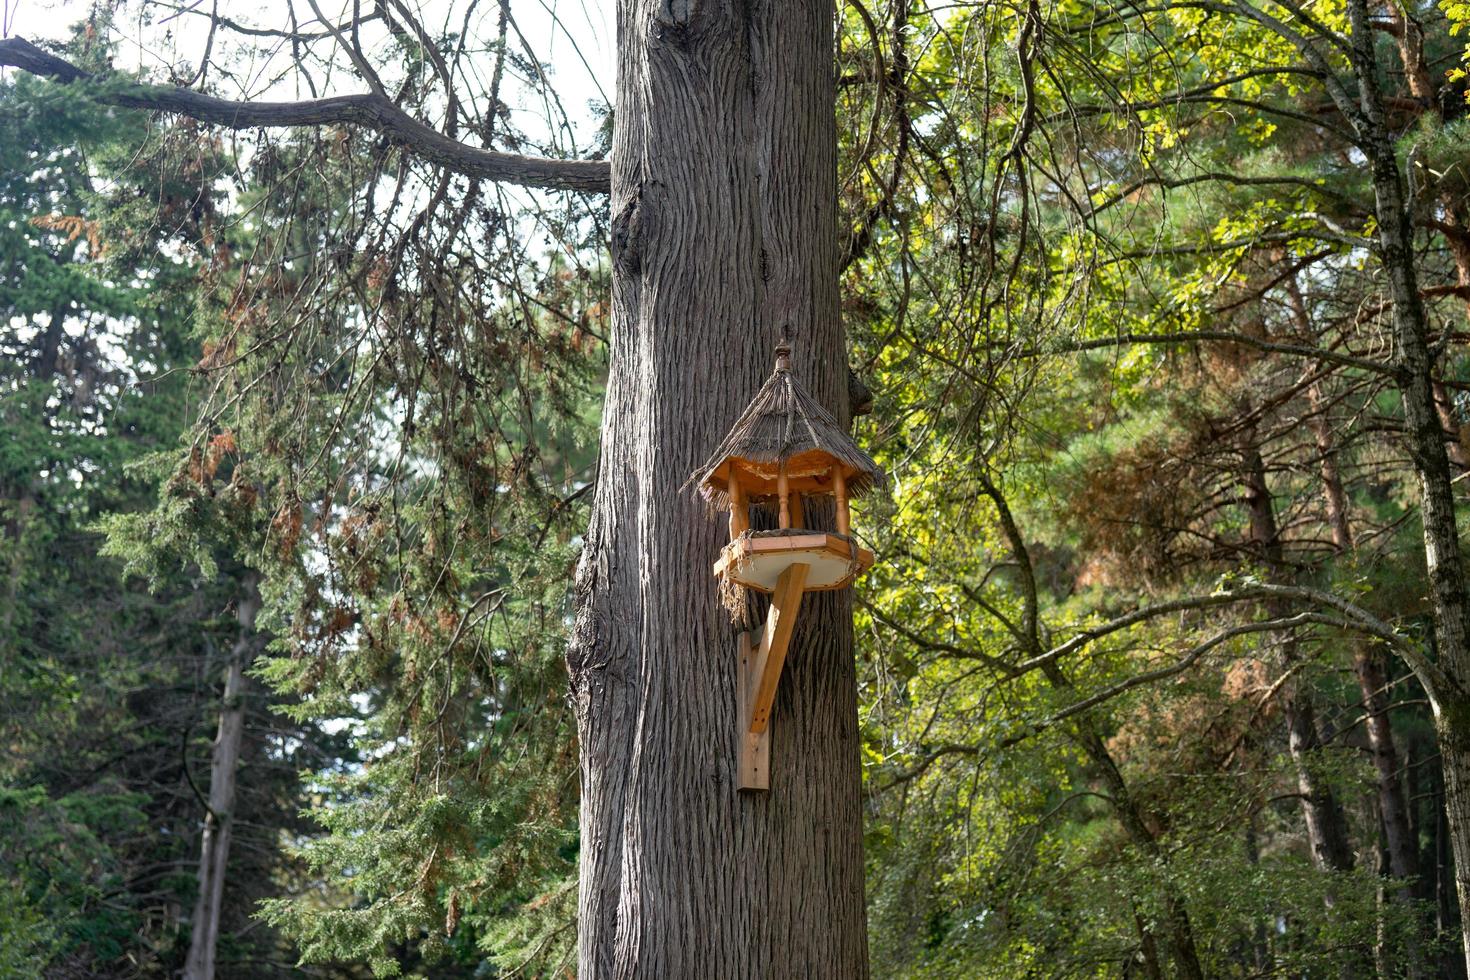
761	663
753	769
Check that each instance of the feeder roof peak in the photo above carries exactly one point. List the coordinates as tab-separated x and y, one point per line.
784	424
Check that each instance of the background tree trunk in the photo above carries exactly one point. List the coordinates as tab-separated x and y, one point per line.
1327	831
724	232
214	848
1369	661
1426	444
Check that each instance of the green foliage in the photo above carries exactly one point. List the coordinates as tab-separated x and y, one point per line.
107	690
61	865
1144	175
1111	271
392	417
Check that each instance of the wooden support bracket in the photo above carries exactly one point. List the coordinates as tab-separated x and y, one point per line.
755	748
762	657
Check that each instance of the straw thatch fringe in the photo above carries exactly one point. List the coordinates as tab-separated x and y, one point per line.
733	596
783	421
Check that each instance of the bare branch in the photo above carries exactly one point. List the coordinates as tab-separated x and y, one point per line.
1178	667
1230	337
1355	618
369	111
937	646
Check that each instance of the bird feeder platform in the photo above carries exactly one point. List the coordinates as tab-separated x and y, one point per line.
757	559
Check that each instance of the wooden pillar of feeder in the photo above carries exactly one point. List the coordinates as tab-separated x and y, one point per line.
739	509
839	487
783	486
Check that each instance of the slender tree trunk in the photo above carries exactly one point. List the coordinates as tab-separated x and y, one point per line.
1334	496
1369	662
1422	85
1449	693
1399	846
1176	926
1425	436
1148	949
723	233
1371	667
214	849
1454	748
1433	462
1326	825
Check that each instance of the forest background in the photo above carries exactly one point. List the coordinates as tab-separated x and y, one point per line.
300	428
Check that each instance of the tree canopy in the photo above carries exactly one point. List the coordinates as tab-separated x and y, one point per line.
1155	318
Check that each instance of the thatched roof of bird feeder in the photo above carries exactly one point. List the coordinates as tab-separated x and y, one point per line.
784	423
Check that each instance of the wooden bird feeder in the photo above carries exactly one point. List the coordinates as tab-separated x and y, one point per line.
785	450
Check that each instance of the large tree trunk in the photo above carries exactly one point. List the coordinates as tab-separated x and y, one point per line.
724	232
214	850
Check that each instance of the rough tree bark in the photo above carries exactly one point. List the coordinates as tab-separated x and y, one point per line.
724	233
214	848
